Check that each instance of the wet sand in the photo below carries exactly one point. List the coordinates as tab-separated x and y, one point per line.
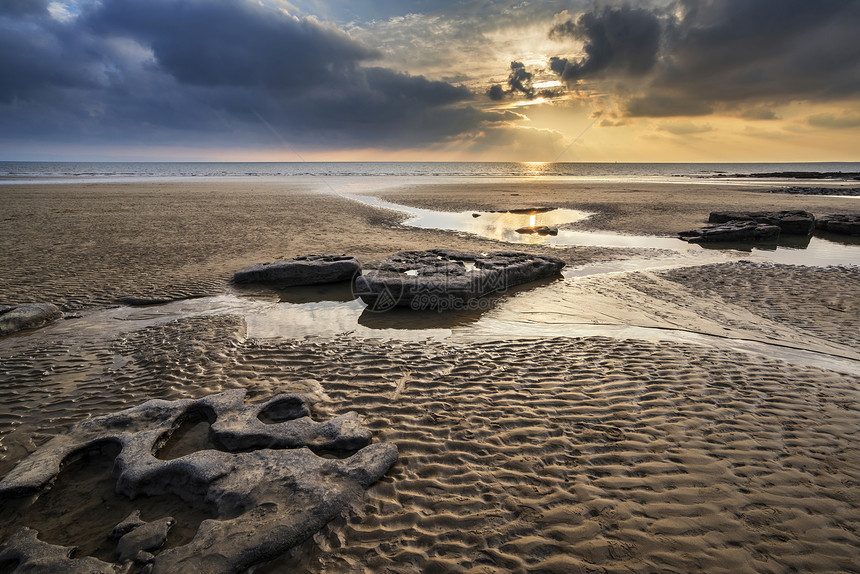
646	208
557	454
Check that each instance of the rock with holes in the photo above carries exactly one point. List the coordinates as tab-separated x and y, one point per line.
794	222
739	231
844	224
19	317
445	279
304	270
267	487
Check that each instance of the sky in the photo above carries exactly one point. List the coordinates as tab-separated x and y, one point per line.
430	80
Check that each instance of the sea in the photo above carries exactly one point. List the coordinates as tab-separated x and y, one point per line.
60	172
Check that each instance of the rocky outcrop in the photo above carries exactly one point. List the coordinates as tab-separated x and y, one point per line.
741	231
789	222
304	270
843	224
541	230
266	486
19	317
444	279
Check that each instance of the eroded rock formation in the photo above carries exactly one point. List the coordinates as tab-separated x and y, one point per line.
844	224
445	279
734	230
265	484
795	222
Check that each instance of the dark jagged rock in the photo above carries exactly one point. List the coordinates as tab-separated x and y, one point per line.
844	224
267	498
304	270
740	231
445	279
19	317
542	230
789	222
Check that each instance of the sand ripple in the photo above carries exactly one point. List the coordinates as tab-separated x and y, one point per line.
559	455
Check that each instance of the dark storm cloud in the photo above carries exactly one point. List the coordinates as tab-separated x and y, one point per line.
622	40
520	80
21	7
171	72
398	109
496	92
718	54
231	43
739	50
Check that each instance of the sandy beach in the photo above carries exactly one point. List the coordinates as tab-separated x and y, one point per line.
566	451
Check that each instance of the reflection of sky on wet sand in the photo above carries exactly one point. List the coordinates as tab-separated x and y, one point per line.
819	250
498	226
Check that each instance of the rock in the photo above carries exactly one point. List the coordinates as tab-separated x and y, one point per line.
740	231
476	215
789	222
33	555
18	317
128	524
444	279
539	230
843	224
144	539
268	497
305	270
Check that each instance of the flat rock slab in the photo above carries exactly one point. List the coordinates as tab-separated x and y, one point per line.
844	224
741	231
304	270
445	279
795	222
542	230
19	317
266	486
